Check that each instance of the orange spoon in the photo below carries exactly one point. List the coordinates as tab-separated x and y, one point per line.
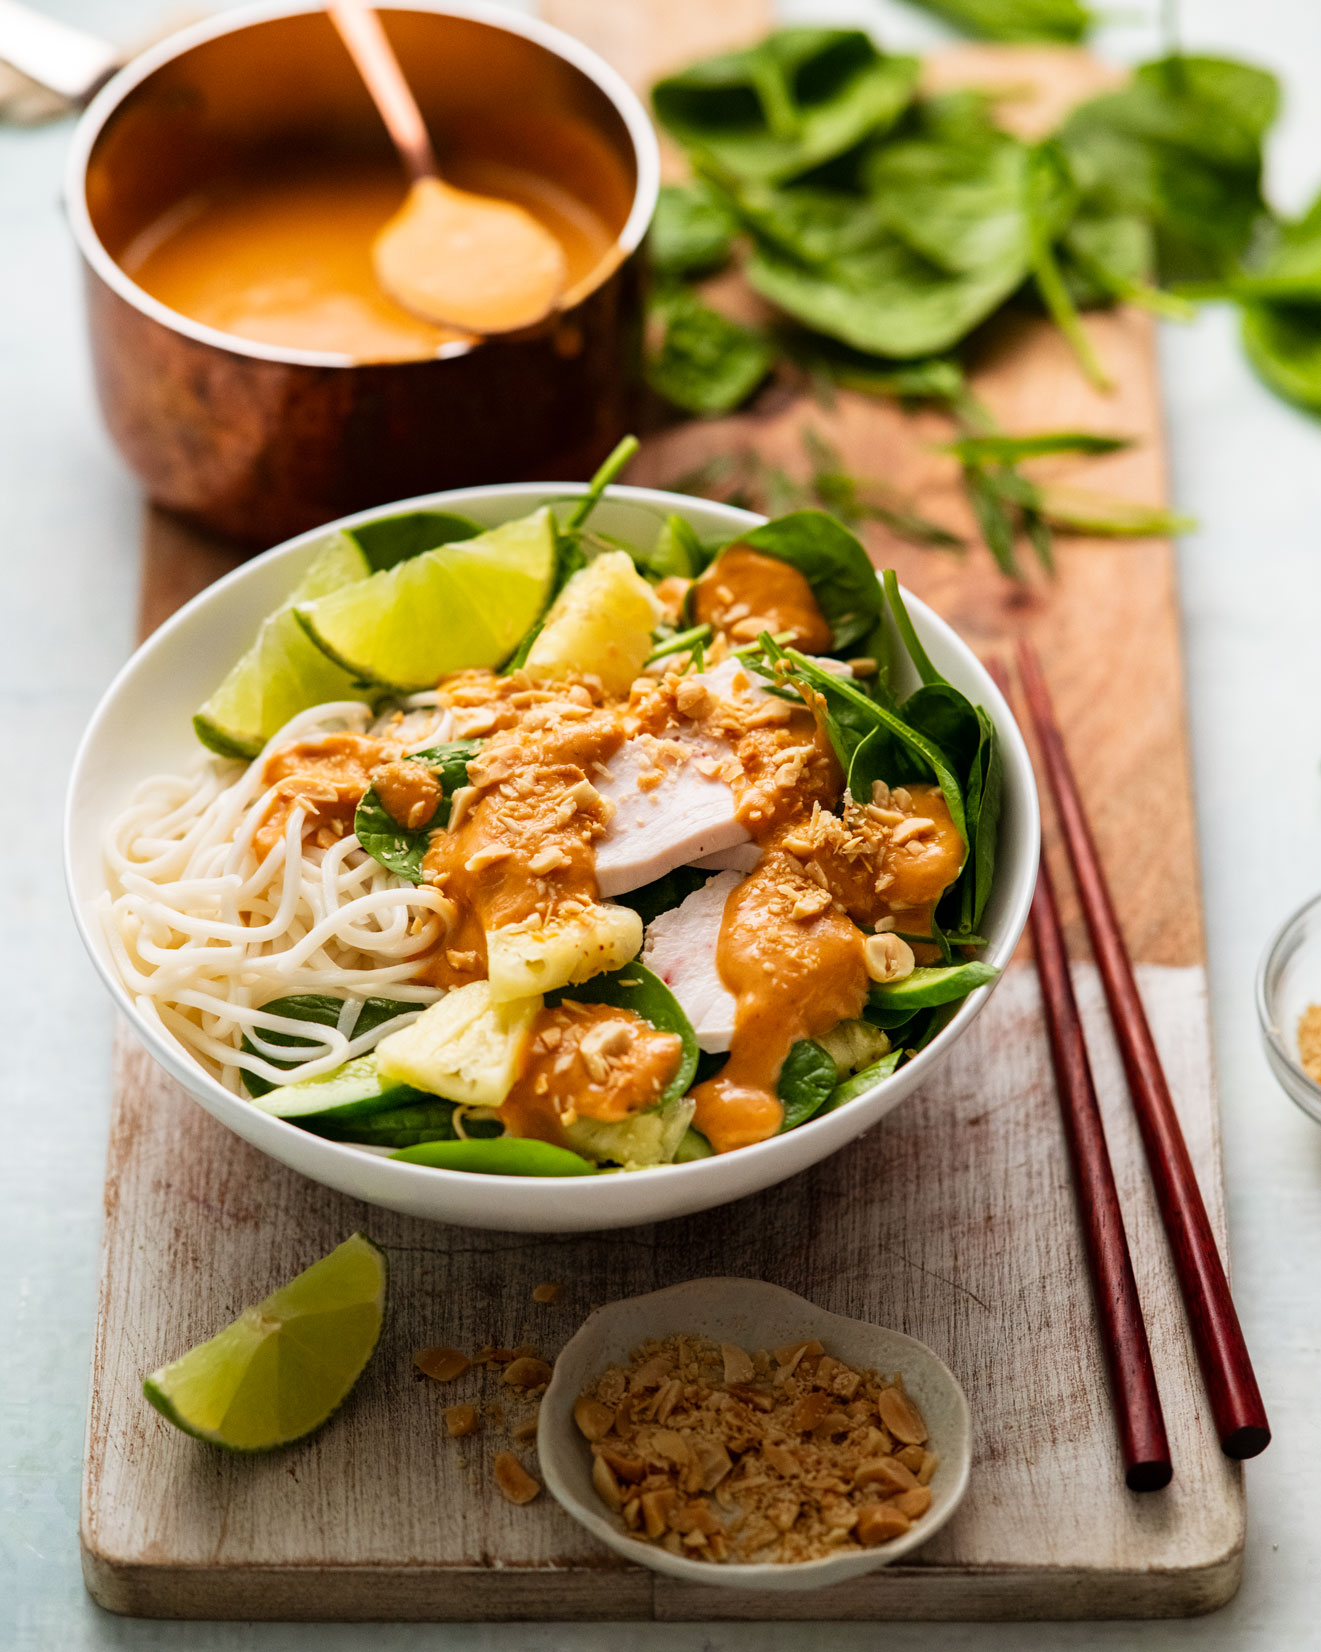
452	257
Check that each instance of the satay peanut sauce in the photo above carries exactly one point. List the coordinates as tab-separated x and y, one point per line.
589	1061
281	253
520	849
744	593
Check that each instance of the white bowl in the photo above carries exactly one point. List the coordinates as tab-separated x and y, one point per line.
752	1315
143	727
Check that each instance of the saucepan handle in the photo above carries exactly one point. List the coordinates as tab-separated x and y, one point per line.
65	60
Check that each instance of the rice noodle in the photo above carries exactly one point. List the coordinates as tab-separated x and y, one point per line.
203	932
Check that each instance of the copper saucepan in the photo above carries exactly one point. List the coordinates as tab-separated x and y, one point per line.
260	442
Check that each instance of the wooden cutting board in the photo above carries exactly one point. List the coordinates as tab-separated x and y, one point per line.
953	1220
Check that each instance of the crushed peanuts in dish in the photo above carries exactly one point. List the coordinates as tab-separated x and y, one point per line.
782	1456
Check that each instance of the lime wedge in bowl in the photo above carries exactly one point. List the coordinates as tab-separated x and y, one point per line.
283	672
460	605
283	1367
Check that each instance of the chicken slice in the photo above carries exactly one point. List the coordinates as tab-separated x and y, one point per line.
680	947
666	816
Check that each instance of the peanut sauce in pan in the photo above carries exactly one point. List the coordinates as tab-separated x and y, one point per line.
282	253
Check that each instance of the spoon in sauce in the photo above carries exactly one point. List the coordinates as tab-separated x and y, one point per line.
452	257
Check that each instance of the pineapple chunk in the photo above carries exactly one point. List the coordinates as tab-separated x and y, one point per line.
538	956
467	1047
601	622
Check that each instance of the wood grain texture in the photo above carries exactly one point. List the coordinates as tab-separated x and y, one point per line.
954	1220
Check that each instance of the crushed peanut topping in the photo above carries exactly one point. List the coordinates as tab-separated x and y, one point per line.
441	1364
1309	1041
781	1456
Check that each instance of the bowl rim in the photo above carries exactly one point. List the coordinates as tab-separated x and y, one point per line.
406	1176
627	104
555	1432
1278	1048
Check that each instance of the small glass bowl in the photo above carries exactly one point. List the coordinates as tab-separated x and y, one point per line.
1288	980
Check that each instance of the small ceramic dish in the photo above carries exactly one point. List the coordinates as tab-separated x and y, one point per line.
1288	980
751	1314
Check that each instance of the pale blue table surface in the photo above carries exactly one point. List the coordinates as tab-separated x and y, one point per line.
1247	467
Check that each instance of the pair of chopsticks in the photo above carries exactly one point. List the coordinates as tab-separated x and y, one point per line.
1240	1417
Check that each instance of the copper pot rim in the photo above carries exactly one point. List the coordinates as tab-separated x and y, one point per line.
627	105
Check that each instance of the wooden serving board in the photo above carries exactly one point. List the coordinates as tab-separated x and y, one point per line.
954	1220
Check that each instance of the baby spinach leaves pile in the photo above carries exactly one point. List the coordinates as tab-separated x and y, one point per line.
885	226
899	234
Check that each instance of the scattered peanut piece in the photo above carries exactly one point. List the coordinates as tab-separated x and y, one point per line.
546	1292
514	1481
461	1420
717	1453
441	1364
526	1372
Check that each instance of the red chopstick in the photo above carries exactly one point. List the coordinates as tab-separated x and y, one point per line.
1141	1422
1231	1385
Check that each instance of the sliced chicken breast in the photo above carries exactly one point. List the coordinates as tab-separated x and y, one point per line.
680	947
663	817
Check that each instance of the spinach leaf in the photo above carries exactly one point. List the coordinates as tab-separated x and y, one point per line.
1283	343
957	196
1281	298
985	801
323	1011
865	734
635	988
394	539
925	988
1180	148
949	720
832	562
793	101
1052	199
706	363
400	849
885	299
935	237
851	1088
1062	21
692	230
665	893
500	1156
807	1080
431	1119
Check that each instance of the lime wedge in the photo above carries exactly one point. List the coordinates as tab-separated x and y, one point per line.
283	1367
466	604
283	672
